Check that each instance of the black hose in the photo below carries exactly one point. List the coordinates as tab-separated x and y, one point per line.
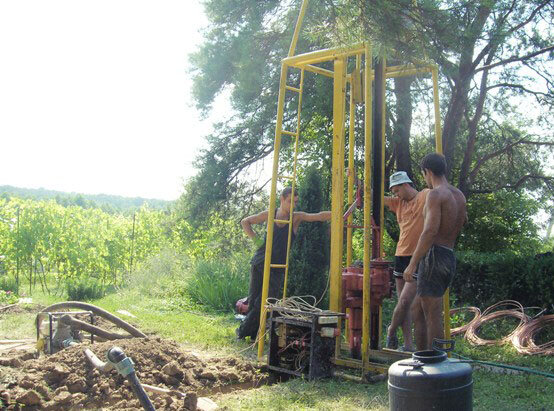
81	325
506	366
98	311
124	366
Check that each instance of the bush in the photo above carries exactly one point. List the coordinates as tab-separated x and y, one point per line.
219	283
483	279
84	289
9	284
8	297
159	274
309	256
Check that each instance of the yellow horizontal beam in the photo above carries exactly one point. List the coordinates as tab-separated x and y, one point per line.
282	221
278	265
351	363
290	133
293	89
407	72
318	70
285	177
323	55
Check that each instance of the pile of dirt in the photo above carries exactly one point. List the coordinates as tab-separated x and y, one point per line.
66	380
21	309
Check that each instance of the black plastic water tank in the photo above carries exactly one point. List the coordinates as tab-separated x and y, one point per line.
430	381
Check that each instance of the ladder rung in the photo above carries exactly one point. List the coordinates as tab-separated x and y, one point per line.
286	177
278	265
282	221
290	133
293	89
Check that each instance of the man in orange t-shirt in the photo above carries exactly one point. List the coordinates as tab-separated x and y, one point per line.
407	204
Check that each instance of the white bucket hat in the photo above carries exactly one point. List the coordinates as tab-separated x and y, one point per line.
400	177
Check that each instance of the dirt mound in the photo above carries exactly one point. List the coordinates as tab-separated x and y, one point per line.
67	380
21	309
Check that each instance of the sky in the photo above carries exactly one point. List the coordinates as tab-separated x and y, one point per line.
95	95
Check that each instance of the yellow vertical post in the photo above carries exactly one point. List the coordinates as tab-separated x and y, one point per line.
297	28
383	138
438	144
382	194
337	187
351	172
368	142
438	132
271	215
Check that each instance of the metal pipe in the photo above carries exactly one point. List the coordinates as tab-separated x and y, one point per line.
297	28
368	144
337	187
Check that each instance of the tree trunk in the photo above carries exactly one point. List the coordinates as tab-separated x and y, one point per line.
462	84
401	134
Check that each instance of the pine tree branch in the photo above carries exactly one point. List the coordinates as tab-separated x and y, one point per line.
537	94
515	185
501	151
515	59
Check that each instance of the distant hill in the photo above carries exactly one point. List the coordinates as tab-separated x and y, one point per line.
109	203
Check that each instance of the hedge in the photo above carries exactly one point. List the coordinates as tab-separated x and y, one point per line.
483	279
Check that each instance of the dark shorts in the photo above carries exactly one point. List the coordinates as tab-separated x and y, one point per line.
400	264
436	270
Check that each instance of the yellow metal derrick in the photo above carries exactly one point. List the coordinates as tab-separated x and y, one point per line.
359	84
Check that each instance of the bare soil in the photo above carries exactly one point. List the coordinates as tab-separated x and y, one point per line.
66	380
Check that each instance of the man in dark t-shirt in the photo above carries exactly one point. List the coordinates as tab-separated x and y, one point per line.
249	326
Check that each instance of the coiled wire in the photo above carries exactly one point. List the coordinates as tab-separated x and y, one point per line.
463	328
490	315
522	336
523	340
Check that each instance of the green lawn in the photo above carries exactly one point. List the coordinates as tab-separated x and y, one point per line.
178	319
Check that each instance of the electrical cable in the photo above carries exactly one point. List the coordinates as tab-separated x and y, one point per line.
296	307
524	341
490	315
463	328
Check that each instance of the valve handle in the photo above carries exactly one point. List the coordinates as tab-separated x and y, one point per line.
415	363
443	345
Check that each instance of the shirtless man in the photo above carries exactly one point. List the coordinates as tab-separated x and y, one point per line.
249	326
444	215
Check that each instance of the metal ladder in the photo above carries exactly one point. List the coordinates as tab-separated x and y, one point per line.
283	88
271	220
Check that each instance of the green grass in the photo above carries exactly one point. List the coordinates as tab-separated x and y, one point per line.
493	391
17	326
179	320
166	310
298	394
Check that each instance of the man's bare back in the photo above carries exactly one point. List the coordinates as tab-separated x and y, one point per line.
444	216
452	215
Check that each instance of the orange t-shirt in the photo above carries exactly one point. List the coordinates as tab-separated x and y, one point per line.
409	215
